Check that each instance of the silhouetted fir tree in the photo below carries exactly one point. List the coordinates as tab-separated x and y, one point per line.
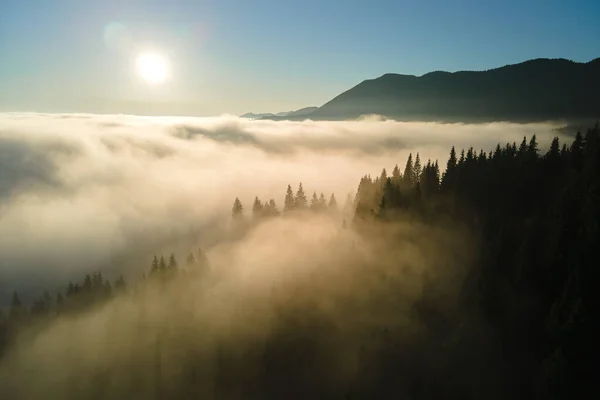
576	152
162	265
523	147
333	206
237	211
322	204
532	148
383	178
389	199
497	152
417	169
314	202
429	182
289	202
97	280
409	173
257	209
87	283
271	209
367	199
469	158
450	175
452	161
300	201
172	262
552	160
154	267
396	175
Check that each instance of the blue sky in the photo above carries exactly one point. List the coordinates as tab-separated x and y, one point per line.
265	55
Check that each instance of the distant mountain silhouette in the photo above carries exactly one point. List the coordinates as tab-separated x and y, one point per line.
256	115
303	111
281	115
535	90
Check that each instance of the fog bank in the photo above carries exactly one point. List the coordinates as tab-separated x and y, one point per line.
80	192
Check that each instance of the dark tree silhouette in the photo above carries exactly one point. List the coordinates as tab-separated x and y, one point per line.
300	201
289	203
237	211
257	209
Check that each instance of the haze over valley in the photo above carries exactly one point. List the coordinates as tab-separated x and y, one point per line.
357	200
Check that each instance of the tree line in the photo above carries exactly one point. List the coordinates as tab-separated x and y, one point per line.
293	202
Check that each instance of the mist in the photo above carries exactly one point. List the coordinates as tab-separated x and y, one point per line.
82	193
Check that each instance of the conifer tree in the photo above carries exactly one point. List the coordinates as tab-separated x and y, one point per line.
532	148
257	209
154	267
314	202
523	147
289	202
470	157
172	262
322	205
452	161
87	283
554	151
333	203
409	173
273	211
237	211
396	175
383	178
417	169
577	152
300	201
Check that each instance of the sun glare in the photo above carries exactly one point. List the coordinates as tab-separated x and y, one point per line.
152	68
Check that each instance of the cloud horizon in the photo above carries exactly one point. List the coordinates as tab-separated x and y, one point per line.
92	187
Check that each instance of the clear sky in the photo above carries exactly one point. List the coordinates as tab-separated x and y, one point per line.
229	56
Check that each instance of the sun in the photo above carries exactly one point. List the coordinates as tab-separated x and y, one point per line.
152	67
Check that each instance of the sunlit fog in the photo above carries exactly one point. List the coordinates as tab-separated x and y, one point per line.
83	194
107	188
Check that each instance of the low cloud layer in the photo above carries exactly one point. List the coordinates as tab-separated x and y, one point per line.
80	192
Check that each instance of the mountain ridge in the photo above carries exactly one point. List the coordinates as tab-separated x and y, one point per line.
533	90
